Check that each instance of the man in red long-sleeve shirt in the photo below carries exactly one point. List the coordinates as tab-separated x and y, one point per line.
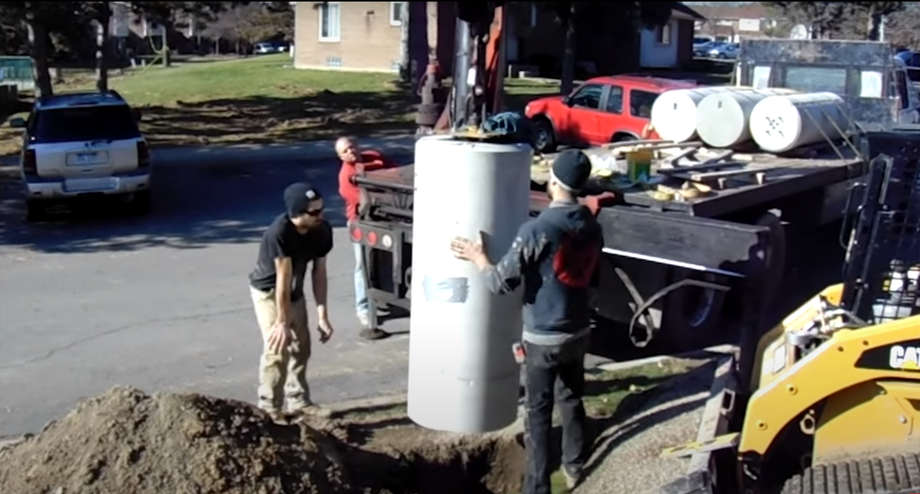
356	162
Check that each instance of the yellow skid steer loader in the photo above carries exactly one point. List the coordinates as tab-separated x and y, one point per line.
833	402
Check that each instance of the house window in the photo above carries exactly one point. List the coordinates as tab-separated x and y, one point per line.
330	21
396	13
663	34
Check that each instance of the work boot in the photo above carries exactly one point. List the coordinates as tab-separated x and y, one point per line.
373	334
571	480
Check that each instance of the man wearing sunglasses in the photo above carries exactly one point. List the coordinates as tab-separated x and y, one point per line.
355	163
294	240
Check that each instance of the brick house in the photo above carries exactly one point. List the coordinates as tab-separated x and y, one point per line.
732	21
366	36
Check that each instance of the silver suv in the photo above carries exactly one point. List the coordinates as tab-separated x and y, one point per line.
83	144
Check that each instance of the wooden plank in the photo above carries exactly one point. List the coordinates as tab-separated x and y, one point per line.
720	175
682	172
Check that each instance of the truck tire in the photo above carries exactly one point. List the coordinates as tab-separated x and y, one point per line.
692	314
623	137
881	475
142	202
35	210
776	256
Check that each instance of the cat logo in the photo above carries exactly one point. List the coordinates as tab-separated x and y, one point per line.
904	358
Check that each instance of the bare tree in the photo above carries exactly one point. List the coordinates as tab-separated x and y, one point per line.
903	28
103	14
405	69
594	16
822	18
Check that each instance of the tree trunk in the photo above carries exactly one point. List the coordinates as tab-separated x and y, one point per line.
102	47
38	40
167	59
874	29
405	69
567	81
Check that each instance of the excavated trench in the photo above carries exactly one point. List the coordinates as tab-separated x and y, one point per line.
406	459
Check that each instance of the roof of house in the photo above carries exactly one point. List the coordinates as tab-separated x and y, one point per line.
745	10
683	9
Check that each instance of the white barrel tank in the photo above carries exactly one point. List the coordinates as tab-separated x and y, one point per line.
462	372
674	112
722	117
782	123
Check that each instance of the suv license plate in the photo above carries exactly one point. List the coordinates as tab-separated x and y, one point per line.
83	158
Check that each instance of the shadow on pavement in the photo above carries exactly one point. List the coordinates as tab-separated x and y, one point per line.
323	114
193	206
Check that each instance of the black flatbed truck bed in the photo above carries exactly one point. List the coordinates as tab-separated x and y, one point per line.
728	238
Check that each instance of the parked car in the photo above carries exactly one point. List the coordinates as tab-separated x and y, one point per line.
701	46
724	51
83	144
265	47
602	110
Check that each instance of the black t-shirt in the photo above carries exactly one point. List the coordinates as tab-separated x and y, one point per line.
282	239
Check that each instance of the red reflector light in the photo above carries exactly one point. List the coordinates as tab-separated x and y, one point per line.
143	154
372	238
356	234
29	164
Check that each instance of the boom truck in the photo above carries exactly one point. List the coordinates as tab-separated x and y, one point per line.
678	269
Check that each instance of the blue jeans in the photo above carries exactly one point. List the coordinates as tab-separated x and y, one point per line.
361	304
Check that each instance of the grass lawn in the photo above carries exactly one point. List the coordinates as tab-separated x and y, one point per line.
259	100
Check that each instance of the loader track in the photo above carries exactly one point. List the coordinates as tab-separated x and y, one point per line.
899	474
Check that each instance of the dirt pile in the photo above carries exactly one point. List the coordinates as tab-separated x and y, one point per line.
126	441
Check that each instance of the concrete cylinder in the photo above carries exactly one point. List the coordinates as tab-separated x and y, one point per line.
674	112
782	123
722	117
462	372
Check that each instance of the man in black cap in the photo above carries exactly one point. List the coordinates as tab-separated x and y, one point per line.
554	255
290	243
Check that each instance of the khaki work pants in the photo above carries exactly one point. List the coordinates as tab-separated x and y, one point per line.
283	376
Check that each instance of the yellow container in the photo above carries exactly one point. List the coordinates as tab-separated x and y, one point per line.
639	165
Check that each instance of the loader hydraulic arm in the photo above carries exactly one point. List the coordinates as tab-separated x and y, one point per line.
478	65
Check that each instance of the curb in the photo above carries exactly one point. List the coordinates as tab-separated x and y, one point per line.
695	354
401	145
400	398
308	151
377	401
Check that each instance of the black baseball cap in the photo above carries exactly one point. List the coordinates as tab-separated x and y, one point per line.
571	169
298	196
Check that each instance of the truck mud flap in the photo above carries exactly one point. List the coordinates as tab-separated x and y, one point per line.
701	476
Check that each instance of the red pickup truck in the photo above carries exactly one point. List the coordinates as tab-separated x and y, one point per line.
602	110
